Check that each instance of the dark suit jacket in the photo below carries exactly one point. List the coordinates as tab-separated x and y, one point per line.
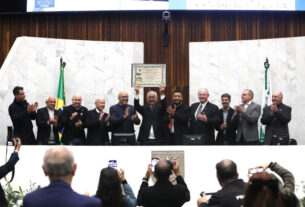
230	133
277	124
97	129
163	194
181	118
59	194
23	127
151	117
231	195
5	169
70	130
247	123
205	128
44	129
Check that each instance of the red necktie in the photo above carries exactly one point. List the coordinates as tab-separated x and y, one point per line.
170	125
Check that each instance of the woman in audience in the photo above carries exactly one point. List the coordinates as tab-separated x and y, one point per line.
110	192
262	191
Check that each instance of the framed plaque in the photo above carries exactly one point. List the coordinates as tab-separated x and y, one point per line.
148	75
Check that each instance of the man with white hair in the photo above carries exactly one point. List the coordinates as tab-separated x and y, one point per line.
276	118
73	120
97	122
59	166
46	121
204	117
152	129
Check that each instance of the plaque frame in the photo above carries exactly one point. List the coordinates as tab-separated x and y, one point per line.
135	66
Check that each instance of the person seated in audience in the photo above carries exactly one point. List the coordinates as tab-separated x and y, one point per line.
163	193
232	192
110	191
59	166
8	167
262	191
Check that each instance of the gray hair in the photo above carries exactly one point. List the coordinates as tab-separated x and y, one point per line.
203	89
152	92
250	92
58	162
99	99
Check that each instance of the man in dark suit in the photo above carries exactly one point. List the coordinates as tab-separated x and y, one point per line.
276	118
8	167
97	122
204	117
21	113
177	119
46	121
226	129
163	193
246	117
152	128
122	119
73	120
232	192
59	166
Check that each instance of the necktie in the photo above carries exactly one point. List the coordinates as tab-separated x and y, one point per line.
198	111
170	125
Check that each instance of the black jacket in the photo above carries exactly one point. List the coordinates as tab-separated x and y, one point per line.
163	194
44	129
70	130
23	127
97	129
229	135
151	117
5	169
231	195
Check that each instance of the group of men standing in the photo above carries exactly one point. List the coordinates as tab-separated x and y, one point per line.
161	124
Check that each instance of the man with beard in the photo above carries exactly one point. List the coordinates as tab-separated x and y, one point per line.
177	118
226	129
21	113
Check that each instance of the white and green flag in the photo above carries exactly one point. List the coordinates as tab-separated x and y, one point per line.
267	96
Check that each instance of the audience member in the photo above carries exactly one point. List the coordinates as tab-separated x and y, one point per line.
152	128
73	120
110	192
163	193
122	119
8	167
232	192
97	122
46	121
59	166
21	113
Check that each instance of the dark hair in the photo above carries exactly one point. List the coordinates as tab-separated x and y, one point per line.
289	199
226	170
226	95
163	170
178	91
262	191
17	89
109	188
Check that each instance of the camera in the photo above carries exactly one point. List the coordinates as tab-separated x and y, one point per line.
10	136
154	161
112	163
166	16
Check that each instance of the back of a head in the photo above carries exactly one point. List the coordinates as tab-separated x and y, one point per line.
109	188
262	191
226	171
163	170
58	163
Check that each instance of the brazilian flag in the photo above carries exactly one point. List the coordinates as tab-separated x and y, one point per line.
61	99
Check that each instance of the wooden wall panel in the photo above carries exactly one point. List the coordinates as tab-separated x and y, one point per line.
147	27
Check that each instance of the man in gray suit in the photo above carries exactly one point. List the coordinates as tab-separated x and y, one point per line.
246	116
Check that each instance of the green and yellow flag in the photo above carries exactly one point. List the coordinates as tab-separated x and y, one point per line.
60	99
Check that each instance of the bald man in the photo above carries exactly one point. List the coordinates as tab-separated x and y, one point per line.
73	120
46	121
97	122
122	119
276	118
203	117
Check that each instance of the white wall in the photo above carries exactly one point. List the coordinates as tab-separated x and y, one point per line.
200	173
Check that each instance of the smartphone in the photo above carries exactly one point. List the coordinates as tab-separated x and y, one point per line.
113	163
10	136
154	161
252	171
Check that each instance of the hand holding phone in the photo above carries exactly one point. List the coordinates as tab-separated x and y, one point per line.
154	161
